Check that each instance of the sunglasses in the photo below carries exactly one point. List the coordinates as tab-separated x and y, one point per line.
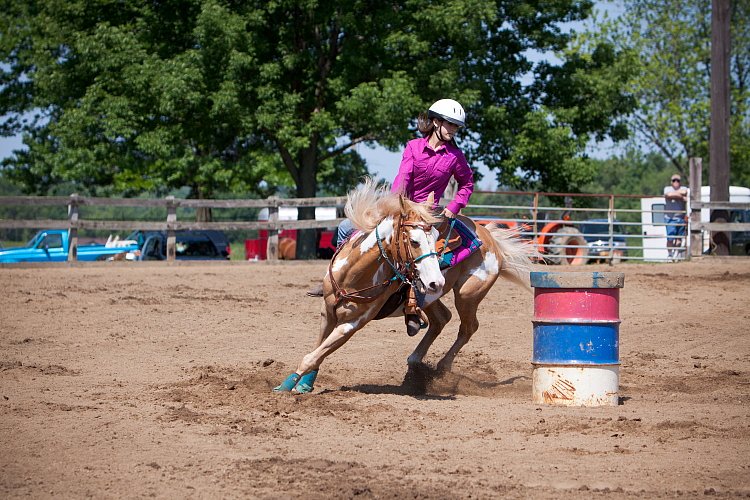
677	180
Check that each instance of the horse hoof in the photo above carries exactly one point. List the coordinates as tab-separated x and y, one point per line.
288	384
306	384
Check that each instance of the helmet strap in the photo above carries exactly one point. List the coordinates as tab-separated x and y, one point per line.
437	131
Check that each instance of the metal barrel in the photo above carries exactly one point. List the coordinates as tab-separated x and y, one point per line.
576	351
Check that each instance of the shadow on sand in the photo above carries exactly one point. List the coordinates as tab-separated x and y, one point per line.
425	382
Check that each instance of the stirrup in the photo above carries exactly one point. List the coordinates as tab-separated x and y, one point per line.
414	323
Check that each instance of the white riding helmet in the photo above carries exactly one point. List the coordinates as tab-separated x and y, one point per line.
448	110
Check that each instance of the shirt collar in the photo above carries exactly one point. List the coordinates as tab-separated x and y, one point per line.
426	146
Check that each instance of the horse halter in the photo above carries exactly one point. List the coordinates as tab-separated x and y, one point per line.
408	265
404	268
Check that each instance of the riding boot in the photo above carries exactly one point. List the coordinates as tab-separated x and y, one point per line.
316	291
411	314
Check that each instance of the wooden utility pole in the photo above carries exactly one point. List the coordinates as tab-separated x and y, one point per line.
719	140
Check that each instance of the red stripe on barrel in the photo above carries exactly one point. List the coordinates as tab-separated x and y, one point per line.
566	304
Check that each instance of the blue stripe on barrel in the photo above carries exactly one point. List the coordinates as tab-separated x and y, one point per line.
576	343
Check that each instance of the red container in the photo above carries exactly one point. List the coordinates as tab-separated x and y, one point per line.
256	249
577	304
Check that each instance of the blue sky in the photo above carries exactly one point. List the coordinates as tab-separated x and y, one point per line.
383	163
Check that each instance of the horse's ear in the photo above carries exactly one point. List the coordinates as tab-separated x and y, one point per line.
430	201
402	202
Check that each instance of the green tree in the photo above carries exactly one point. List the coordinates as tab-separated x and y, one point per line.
222	96
671	78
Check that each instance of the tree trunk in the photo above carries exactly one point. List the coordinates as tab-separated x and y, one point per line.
203	214
307	240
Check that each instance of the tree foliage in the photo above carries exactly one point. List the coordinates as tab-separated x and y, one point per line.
216	95
671	78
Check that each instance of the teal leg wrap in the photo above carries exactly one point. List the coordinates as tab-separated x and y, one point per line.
306	383
288	384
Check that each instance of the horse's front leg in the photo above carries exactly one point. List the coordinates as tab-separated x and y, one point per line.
439	316
331	337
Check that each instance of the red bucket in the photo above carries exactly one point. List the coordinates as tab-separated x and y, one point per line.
256	249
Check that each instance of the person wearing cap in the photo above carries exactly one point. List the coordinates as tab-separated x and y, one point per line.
675	215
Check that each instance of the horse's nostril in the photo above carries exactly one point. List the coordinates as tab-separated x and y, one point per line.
433	286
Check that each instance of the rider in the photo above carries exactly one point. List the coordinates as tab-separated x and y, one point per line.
427	166
429	163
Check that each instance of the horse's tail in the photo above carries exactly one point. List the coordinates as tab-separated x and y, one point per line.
517	254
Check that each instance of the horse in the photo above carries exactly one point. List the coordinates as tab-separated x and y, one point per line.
376	262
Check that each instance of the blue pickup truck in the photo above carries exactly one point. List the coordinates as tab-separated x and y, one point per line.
52	246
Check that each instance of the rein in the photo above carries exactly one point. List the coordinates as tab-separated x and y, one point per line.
404	268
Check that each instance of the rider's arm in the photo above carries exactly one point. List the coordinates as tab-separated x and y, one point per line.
465	179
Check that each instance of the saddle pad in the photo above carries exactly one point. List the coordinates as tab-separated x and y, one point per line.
469	243
453	240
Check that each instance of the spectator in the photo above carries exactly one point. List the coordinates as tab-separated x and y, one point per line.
675	217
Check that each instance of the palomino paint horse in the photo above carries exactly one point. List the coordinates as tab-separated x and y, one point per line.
397	245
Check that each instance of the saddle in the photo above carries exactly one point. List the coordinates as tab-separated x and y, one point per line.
448	240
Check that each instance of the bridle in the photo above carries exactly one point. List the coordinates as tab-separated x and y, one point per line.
403	264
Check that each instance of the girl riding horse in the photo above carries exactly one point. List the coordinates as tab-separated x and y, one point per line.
396	245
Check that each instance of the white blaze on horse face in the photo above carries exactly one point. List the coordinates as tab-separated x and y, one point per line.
489	267
429	267
385	231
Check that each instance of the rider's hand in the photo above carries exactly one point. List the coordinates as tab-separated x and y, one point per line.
448	214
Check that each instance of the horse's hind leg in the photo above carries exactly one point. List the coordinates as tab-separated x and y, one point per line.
439	316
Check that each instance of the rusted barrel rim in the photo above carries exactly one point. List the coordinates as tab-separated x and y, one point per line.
543	279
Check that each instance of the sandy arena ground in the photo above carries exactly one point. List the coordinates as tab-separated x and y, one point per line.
124	381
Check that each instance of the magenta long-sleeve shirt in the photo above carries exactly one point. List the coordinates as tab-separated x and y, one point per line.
424	170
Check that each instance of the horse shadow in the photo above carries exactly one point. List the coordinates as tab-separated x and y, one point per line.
424	382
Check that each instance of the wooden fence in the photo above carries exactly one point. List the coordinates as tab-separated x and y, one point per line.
696	205
171	224
74	222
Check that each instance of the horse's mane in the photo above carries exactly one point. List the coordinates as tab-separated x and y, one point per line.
368	204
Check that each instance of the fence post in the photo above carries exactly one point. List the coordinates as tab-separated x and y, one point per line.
73	228
611	229
536	214
696	181
272	252
171	219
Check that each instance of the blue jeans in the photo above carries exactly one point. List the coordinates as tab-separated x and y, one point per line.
674	231
346	228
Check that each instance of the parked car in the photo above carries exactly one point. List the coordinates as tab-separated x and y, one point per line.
596	234
51	245
740	239
189	245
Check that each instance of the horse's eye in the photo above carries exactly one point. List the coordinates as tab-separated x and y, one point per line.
414	242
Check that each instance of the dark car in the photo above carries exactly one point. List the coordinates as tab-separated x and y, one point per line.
189	245
596	233
740	239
